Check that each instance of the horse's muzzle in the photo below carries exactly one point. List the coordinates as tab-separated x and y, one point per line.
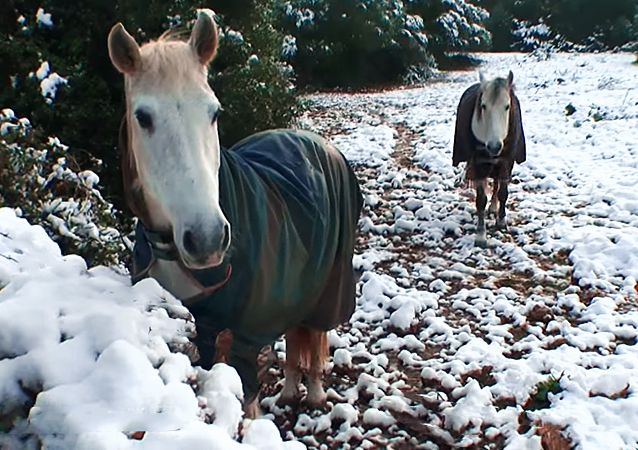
494	148
202	250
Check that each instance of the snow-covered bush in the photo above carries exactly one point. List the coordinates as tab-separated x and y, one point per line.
356	42
452	25
352	42
580	25
249	75
530	37
43	182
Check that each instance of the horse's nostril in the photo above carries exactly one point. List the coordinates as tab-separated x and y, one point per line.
189	242
494	146
225	236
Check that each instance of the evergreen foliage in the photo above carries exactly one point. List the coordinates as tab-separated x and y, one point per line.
44	183
583	25
357	42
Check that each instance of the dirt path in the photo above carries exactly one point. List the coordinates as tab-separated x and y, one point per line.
402	386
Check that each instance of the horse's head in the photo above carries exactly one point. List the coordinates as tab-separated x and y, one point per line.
491	118
173	144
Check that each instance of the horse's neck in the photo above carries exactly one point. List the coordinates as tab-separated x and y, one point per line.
233	191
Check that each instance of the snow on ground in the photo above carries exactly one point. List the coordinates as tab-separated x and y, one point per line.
87	359
451	341
450	345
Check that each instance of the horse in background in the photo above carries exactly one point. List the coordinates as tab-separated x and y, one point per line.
257	241
489	137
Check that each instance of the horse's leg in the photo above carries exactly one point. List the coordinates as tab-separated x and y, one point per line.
481	201
251	408
318	357
243	357
502	198
290	393
494	200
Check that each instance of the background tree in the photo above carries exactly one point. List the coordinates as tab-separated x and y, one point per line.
358	42
577	24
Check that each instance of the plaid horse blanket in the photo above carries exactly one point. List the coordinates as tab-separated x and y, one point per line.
293	203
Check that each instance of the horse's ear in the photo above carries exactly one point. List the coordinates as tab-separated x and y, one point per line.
482	78
510	79
123	50
203	38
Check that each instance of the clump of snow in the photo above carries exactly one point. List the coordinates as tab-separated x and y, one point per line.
44	19
43	71
95	354
289	46
49	86
377	418
369	146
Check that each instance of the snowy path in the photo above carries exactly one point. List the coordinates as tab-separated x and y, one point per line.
450	339
448	342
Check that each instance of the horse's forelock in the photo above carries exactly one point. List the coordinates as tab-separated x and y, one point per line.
167	62
490	91
495	88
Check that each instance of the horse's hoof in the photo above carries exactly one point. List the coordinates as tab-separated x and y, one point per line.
481	241
252	409
289	400
316	401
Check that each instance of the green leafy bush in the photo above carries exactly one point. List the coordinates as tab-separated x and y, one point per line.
358	42
42	181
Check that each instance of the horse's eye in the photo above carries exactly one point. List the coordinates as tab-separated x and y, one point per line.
483	106
507	107
145	120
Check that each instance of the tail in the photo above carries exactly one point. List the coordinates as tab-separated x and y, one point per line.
306	346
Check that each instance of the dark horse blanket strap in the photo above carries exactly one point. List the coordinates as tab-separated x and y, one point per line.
468	149
293	232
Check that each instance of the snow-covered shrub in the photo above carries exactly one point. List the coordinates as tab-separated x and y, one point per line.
540	38
580	25
42	181
530	37
452	25
353	42
250	75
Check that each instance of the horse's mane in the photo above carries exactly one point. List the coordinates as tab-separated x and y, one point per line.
169	57
174	34
497	85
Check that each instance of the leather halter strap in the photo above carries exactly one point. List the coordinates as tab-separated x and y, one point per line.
163	248
162	244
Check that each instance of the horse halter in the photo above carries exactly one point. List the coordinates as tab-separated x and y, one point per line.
162	244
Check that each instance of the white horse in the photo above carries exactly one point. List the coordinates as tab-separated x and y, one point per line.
256	240
489	137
